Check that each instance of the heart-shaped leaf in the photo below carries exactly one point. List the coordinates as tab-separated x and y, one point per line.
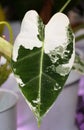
43	56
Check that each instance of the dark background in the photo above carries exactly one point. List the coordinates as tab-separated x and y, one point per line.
15	9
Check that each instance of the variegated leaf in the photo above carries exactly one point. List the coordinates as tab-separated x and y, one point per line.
42	58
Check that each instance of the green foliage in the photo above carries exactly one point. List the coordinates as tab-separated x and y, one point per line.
79	55
5	70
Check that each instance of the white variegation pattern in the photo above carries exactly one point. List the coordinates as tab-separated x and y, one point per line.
28	34
48	57
55	33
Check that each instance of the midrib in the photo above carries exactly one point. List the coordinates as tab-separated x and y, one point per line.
40	77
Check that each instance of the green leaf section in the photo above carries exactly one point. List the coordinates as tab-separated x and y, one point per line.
40	94
41	29
5	70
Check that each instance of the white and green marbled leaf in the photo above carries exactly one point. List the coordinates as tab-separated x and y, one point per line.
42	58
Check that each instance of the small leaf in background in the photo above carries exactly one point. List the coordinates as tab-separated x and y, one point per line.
42	58
79	61
79	54
2	18
5	70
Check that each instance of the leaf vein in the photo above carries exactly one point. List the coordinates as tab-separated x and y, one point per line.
28	56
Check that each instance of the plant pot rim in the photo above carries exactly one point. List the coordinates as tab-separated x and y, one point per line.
74	76
13	94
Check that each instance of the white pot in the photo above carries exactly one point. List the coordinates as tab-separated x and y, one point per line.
62	114
60	117
8	101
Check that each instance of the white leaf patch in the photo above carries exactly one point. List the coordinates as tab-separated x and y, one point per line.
55	37
28	34
55	32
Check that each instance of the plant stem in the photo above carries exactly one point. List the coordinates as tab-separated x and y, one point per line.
9	29
64	6
5	48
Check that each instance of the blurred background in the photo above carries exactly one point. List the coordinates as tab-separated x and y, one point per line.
13	11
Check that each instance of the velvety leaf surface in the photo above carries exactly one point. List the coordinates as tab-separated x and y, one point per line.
43	56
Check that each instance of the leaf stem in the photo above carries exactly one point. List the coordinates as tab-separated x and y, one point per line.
64	6
5	48
9	29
